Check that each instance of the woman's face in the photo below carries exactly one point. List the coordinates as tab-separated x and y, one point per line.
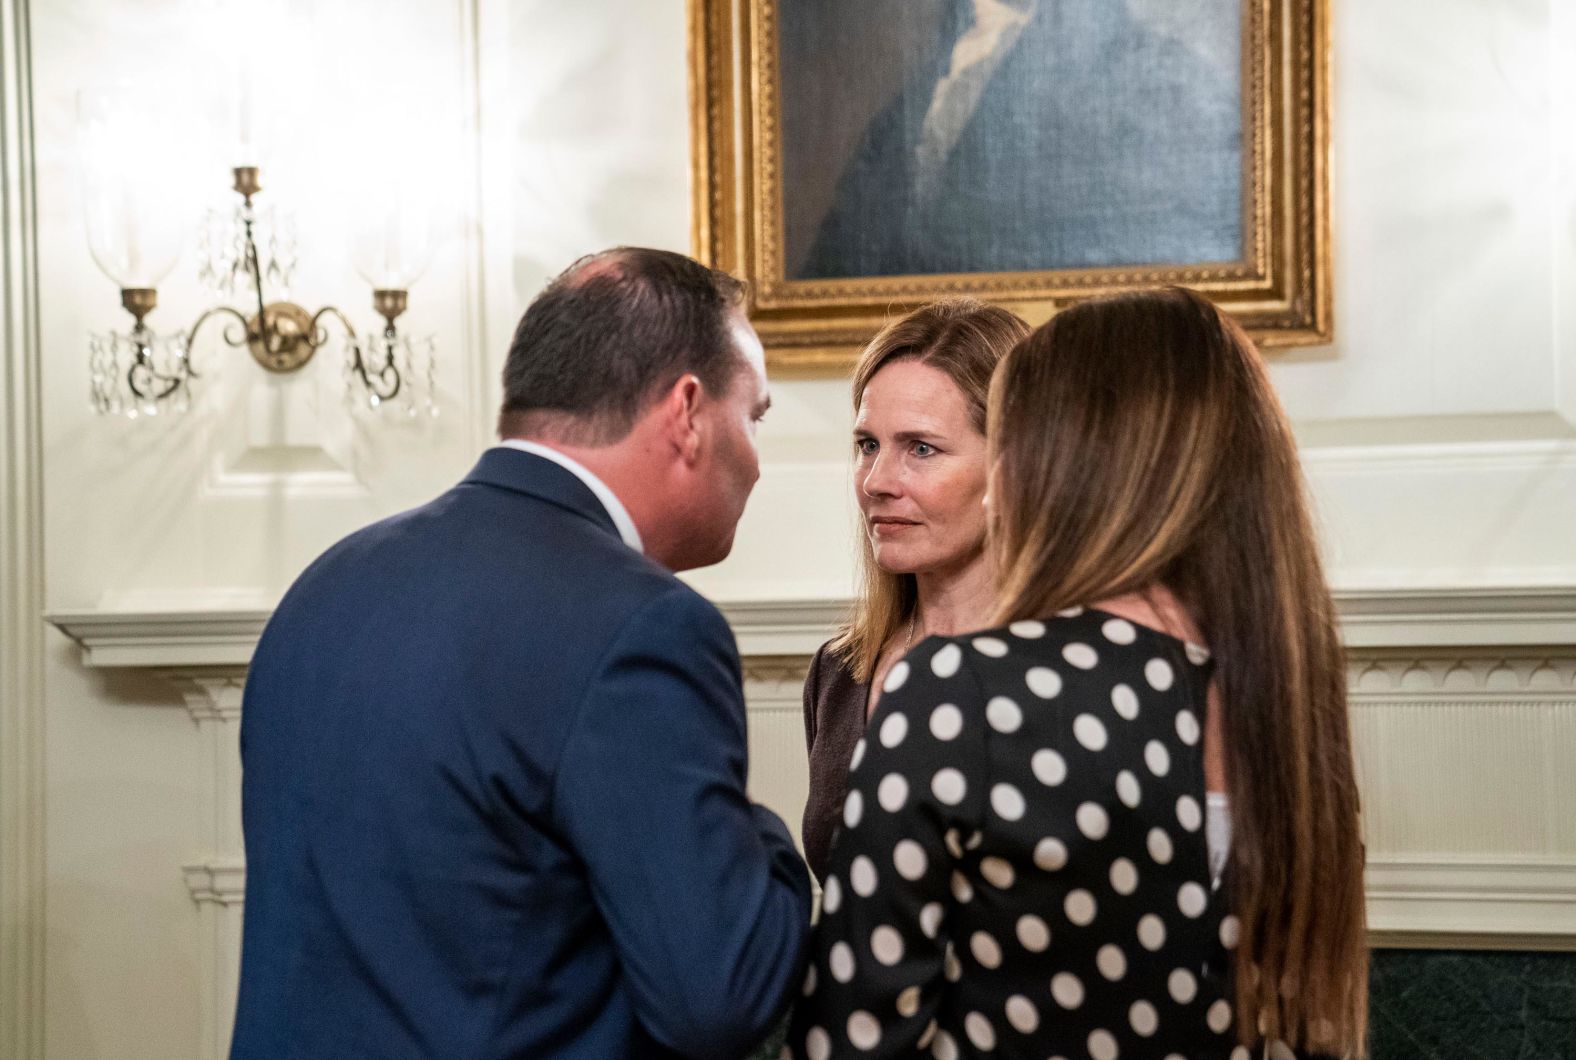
919	473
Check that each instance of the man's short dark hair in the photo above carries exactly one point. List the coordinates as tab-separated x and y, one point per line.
608	335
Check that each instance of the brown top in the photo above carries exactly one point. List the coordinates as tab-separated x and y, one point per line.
834	720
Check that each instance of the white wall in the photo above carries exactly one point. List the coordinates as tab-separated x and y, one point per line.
1439	430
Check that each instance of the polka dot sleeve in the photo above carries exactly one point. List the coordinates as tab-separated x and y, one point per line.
884	948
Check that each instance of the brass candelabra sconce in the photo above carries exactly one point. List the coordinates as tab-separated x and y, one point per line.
140	373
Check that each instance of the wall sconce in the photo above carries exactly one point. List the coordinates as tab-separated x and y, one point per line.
135	234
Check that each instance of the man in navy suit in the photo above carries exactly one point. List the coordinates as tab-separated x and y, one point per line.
494	750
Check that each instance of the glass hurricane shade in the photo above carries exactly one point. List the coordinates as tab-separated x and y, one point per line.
134	205
394	233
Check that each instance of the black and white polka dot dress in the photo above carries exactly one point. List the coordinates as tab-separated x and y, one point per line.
1021	870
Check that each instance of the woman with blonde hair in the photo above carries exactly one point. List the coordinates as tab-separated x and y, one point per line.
1123	822
919	393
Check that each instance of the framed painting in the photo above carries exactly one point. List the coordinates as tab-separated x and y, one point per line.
852	160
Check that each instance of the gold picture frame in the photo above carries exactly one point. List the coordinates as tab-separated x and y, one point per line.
1279	289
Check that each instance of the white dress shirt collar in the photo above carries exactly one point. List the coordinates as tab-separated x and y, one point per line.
615	508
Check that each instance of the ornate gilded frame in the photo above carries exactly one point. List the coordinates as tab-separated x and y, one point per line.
1280	292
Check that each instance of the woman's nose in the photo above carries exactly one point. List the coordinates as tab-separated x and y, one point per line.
879	480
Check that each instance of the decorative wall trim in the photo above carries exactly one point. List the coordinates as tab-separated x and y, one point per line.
1522	898
1371	618
221	881
22	877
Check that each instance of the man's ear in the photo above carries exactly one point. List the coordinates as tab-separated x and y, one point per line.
681	419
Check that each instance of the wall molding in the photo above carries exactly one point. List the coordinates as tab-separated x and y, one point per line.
22	865
226	635
1505	655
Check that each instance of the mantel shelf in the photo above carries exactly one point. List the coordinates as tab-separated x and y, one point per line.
1409	618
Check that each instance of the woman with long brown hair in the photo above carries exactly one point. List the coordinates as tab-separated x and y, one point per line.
1129	823
919	393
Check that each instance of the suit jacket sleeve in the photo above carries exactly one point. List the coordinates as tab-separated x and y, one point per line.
704	893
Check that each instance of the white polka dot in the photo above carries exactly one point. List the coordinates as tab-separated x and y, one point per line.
886	945
1022	1014
1182	986
908	1002
859	755
1188	814
946	721
1192	899
991	646
951	967
1067	990
1230	931
930	919
1043	682
954	843
1158	673
1081	656
1111	961
1197	654
1157	758
1079	907
1159	846
1241	1053
817	1044
864	1031
892	792
945	662
1187	727
944	1048
1125	701
1090	731
853	809
1003	715
986	950
948	786
1279	1050
1069	612
1219	1016
831	895
1127	789
1033	933
980	1032
863	876
1027	630
809	981
896	676
1007	801
1151	932
1050	854
1124	876
962	889
908	857
1144	1019
893	729
973	841
1093	821
1049	767
1119	631
841	961
1102	1046
997	872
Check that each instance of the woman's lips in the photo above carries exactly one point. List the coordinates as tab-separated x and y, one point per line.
887	525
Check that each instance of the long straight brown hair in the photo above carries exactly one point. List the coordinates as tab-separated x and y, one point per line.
1135	441
965	339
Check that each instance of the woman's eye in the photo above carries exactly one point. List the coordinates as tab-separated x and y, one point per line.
923	449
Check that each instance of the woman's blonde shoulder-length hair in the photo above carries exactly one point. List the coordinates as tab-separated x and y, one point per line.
964	338
1137	440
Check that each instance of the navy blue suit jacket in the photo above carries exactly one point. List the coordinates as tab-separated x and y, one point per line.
494	768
